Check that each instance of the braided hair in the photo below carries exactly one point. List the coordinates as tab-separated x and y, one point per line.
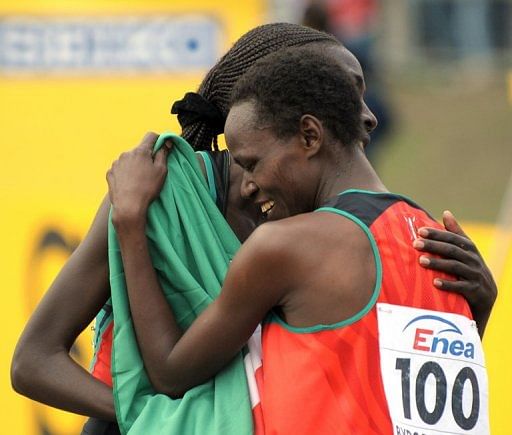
219	82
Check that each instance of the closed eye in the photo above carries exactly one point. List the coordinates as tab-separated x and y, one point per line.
246	166
250	167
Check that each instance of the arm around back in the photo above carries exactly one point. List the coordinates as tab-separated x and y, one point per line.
460	258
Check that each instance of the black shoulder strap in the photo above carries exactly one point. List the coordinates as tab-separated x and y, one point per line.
367	206
220	160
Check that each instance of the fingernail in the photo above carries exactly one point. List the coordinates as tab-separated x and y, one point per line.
424	261
423	232
418	244
438	282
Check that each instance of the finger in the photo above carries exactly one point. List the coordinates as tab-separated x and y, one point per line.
446	250
451	224
169	144
148	141
451	267
447	237
110	182
461	287
160	157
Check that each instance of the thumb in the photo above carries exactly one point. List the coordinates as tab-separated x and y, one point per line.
451	224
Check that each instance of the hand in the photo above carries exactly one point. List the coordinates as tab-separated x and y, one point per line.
460	258
136	179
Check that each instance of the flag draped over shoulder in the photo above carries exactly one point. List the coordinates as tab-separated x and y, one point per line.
191	246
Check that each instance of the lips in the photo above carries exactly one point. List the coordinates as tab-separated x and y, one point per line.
366	139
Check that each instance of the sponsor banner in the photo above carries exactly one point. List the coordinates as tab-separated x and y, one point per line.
80	82
108	44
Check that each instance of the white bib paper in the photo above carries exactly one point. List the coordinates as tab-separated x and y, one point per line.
433	371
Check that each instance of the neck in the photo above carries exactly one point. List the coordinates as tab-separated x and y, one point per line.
352	170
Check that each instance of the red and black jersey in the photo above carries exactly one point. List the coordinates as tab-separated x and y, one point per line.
326	379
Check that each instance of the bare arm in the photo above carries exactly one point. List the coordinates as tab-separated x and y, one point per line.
42	368
176	361
460	257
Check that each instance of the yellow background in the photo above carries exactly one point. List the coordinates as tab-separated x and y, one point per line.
58	138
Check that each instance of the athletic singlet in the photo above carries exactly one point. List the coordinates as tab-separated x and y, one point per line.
217	175
328	379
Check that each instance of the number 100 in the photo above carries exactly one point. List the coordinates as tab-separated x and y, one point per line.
432	417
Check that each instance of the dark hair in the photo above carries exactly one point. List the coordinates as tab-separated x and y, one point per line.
218	84
316	17
298	81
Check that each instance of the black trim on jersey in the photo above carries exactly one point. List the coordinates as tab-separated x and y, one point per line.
368	206
220	162
107	308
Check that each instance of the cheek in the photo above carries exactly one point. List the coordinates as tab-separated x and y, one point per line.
282	174
287	173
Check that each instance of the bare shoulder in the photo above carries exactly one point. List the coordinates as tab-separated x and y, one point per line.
308	239
322	263
314	229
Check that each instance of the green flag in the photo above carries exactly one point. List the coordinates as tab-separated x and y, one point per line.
191	246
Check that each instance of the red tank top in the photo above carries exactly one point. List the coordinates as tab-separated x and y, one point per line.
103	334
327	379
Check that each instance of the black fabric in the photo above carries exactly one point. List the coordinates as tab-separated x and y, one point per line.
367	206
107	308
195	108
221	161
95	426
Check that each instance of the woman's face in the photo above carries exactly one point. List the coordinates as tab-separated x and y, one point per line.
242	214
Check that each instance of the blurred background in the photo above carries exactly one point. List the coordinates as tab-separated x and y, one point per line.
83	80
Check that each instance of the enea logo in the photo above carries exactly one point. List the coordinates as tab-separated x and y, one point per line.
440	340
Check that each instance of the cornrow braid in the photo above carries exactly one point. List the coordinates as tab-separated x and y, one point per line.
220	80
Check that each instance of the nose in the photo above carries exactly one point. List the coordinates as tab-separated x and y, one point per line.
369	120
248	187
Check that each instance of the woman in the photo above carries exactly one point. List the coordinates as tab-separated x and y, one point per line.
42	368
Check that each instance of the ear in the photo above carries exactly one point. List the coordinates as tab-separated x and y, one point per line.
312	133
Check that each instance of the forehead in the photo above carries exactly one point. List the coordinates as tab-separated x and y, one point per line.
244	134
241	114
348	61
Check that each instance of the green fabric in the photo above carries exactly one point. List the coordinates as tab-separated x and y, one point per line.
190	245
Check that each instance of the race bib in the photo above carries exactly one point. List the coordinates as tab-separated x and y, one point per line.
433	371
